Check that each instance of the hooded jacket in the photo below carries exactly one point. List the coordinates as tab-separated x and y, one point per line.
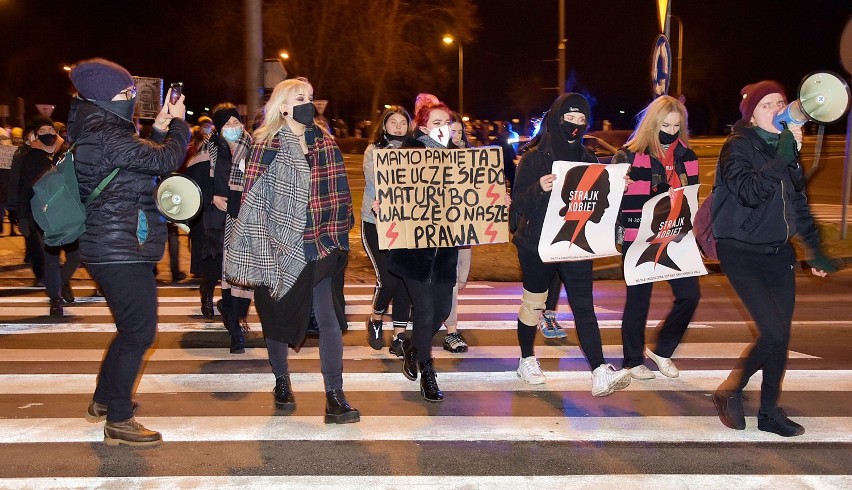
759	201
122	224
528	198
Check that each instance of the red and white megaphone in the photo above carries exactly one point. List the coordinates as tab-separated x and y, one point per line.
823	98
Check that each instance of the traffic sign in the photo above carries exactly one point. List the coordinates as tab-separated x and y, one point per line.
661	66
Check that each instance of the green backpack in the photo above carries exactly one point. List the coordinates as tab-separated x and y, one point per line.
56	204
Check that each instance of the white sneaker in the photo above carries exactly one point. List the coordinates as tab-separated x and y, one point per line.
666	366
529	370
642	372
605	380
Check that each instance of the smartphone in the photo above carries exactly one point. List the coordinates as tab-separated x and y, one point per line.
177	89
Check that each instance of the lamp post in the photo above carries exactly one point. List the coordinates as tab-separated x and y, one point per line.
679	53
448	39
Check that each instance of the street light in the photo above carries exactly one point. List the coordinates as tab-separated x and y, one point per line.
679	53
448	39
284	55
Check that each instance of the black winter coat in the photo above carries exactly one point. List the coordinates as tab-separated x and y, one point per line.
759	199
122	224
528	198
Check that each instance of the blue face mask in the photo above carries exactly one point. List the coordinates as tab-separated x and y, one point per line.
232	134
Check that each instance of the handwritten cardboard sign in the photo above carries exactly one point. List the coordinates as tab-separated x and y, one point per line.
6	154
440	197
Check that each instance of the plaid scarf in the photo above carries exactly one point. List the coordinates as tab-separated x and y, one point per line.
329	216
240	151
266	246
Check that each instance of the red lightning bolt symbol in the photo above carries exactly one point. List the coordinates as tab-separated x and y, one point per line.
392	234
491	233
493	195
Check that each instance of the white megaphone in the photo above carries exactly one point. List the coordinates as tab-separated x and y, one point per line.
823	98
178	199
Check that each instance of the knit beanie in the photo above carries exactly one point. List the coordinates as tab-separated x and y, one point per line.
574	102
99	79
222	116
752	95
37	122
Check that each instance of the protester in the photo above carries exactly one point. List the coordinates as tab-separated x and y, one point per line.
660	160
291	234
227	147
454	341
759	203
196	166
428	273
562	137
44	143
390	133
125	235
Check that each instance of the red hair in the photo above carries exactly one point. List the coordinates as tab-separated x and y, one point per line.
421	117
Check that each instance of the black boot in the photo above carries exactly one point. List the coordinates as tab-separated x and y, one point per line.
409	360
284	398
56	307
68	292
428	382
337	409
207	288
776	421
231	320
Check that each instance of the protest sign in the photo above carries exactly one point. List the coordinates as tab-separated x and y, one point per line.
6	154
665	246
581	213
436	197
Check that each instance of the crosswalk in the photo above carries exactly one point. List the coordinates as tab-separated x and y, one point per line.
221	428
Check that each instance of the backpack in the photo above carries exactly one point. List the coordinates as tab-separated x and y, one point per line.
56	205
702	226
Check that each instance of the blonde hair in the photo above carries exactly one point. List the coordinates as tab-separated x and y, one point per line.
273	120
645	138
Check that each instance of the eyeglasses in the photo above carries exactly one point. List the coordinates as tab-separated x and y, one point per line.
129	93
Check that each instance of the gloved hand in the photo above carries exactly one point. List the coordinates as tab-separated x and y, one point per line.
822	263
787	146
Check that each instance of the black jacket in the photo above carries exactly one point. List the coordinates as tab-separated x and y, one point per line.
431	265
759	198
122	224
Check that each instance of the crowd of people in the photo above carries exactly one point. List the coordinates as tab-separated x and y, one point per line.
277	214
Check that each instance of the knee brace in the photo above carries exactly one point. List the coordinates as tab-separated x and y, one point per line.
532	304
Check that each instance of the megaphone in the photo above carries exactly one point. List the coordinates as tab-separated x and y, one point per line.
823	98
178	199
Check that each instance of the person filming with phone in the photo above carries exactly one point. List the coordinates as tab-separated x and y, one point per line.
125	235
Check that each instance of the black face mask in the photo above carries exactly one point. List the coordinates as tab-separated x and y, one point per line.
304	113
667	139
47	139
121	108
573	131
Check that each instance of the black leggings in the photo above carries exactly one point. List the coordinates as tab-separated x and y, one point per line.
577	279
432	305
766	284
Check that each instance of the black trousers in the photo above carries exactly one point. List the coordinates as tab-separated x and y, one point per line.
577	279
432	304
388	286
130	290
670	332
766	284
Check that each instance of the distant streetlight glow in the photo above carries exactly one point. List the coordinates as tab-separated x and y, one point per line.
66	68
284	55
387	106
448	39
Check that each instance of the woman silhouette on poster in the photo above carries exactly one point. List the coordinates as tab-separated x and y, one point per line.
671	221
586	197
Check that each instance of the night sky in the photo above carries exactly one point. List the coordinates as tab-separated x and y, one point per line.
727	44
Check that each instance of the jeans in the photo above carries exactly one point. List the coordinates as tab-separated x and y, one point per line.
330	341
130	290
766	284
56	273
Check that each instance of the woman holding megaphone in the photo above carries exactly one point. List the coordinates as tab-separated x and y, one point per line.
759	205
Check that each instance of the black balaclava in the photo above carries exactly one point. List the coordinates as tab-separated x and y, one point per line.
563	138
